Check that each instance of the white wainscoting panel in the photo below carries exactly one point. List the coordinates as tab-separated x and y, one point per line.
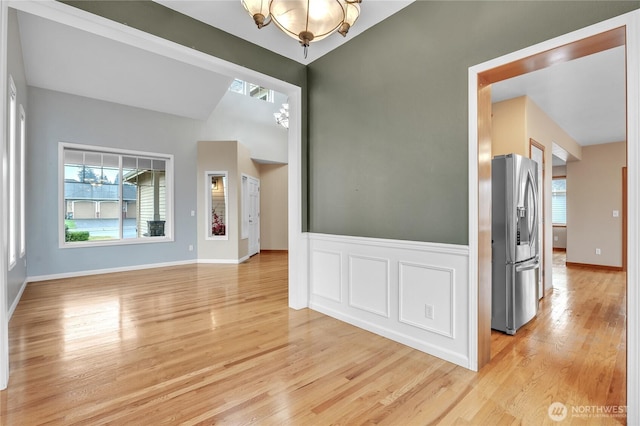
369	284
412	292
422	289
326	277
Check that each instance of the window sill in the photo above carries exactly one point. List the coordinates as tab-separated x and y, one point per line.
110	243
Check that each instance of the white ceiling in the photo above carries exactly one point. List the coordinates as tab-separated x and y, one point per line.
231	17
586	97
70	60
65	59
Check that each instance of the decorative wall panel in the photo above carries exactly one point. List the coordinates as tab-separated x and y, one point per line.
411	292
326	279
369	284
426	296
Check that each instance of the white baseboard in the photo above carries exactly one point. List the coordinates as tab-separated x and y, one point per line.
107	270
225	261
131	268
14	305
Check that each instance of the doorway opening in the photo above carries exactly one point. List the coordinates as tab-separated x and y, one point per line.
251	212
579	48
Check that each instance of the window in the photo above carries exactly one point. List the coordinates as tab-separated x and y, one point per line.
260	92
559	201
12	172
237	86
216	187
114	197
23	182
253	90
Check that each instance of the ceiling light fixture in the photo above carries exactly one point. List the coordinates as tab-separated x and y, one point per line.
305	20
282	117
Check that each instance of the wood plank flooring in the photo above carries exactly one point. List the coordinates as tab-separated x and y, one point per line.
217	344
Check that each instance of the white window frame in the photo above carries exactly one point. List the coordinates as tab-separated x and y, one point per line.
23	182
565	201
246	90
208	206
169	182
13	100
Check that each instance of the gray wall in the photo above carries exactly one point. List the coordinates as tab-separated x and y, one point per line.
17	276
155	19
56	117
388	113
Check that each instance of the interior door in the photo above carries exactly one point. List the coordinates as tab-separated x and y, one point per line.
254	215
536	152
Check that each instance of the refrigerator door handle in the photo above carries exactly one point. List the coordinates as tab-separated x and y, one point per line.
533	232
526	265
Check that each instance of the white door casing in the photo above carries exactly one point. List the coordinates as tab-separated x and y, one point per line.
253	185
537	155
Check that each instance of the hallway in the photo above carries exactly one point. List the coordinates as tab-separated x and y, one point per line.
574	351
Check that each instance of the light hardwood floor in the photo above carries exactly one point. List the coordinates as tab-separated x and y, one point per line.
217	344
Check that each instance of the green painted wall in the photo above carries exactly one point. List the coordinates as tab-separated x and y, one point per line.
385	125
388	113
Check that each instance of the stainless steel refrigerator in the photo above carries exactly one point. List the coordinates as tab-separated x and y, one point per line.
514	235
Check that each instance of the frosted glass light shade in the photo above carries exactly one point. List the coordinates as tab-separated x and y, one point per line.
258	9
307	20
351	13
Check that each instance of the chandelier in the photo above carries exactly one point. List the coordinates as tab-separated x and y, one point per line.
282	117
305	20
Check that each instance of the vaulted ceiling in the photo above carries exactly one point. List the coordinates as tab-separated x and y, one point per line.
586	97
65	59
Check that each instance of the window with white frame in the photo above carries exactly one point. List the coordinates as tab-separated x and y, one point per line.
252	90
13	95
114	196
217	206
559	201
23	181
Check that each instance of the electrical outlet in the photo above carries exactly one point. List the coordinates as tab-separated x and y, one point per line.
555	238
428	311
190	247
598	251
